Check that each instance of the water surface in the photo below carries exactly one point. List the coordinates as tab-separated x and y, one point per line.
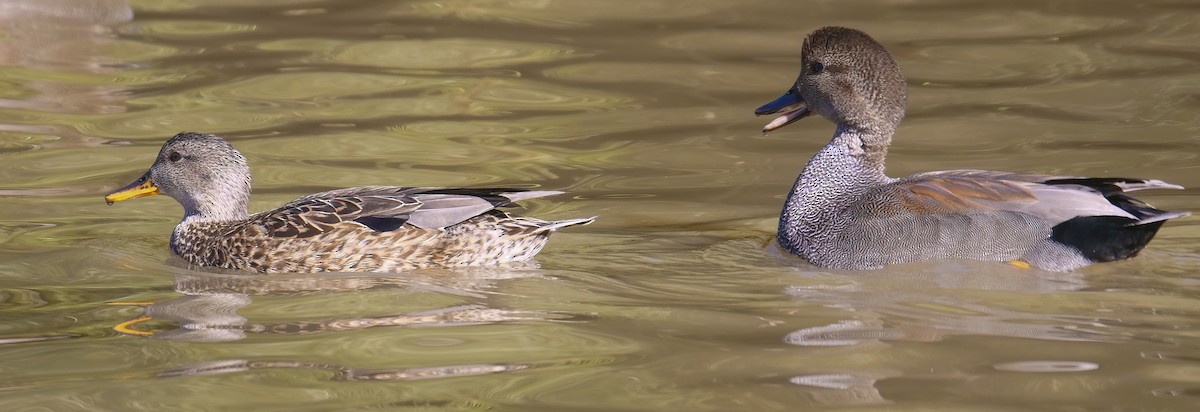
641	110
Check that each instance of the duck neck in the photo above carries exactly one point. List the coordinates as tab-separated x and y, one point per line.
226	203
226	211
851	164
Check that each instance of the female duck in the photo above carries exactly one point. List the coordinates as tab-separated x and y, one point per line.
843	212
361	229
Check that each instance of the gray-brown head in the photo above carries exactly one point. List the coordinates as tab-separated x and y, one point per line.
203	172
847	77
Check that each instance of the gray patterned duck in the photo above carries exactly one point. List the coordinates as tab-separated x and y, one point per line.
360	229
844	212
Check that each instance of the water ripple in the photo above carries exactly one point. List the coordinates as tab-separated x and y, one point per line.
423	54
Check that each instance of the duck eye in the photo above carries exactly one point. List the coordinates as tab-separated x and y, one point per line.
816	68
175	157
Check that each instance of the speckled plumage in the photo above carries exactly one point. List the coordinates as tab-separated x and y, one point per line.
844	212
361	229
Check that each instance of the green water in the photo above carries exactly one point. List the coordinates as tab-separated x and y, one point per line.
642	111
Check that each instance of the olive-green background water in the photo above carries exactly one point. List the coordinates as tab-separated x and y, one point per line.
642	111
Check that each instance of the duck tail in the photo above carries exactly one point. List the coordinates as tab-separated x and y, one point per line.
1160	217
1130	185
559	224
1144	212
532	194
1108	238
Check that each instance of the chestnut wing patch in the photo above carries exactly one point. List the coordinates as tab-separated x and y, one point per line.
955	195
1052	199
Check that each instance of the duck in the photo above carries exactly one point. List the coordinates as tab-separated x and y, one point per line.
844	212
358	229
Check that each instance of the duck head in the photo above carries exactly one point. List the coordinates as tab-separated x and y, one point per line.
847	77
203	172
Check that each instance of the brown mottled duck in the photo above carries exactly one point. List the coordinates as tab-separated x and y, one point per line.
359	229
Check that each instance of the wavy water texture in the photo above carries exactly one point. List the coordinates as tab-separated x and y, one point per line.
641	111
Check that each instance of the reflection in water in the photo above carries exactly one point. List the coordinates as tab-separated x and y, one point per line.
843	333
341	373
209	310
845	389
209	313
1046	366
201	318
925	308
923	303
214	318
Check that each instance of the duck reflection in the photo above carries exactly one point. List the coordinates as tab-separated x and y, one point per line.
928	306
922	303
208	311
342	373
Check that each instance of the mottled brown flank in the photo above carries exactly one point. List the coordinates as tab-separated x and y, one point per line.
347	246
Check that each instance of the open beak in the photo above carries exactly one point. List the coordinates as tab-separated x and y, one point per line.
141	187
792	106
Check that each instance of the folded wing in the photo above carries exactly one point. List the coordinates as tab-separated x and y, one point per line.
1052	199
383	209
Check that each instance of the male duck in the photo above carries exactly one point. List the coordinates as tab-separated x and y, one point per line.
361	229
843	212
